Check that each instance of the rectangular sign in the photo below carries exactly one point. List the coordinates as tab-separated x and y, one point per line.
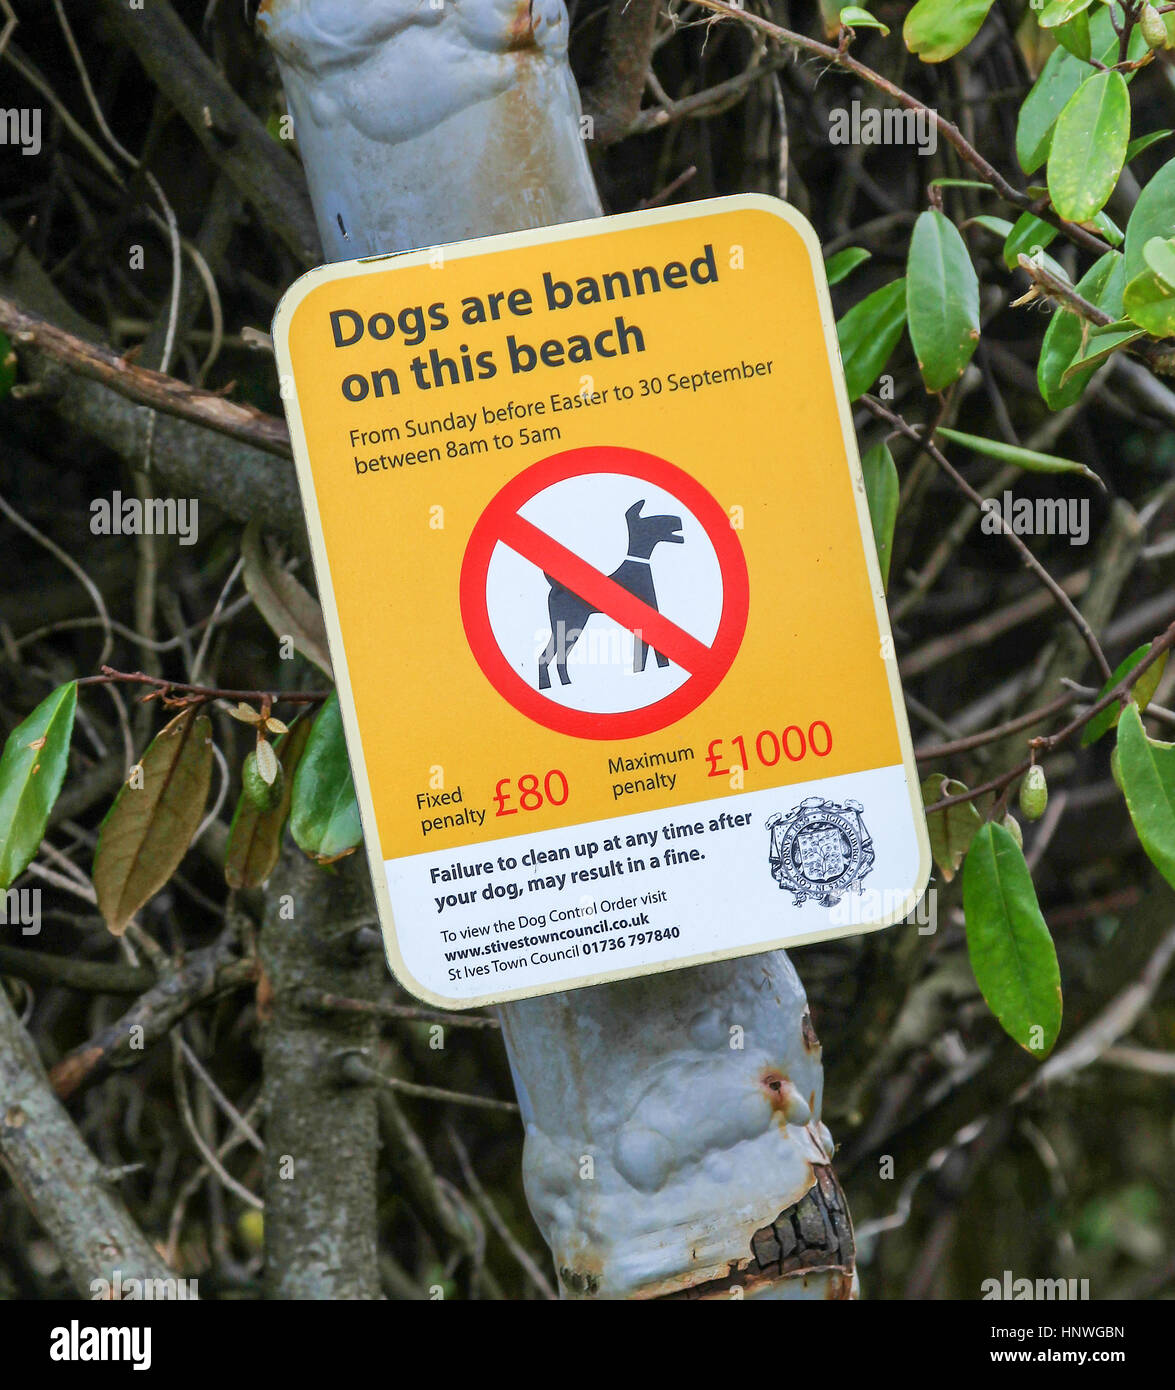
603	601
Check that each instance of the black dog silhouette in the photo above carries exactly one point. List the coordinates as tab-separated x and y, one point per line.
569	613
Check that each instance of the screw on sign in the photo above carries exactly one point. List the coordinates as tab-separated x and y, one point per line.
580	567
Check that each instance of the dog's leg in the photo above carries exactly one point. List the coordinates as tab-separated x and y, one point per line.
640	652
545	663
567	639
662	659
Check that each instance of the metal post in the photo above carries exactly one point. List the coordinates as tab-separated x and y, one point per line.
673	1138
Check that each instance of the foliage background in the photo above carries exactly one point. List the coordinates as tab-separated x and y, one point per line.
1072	1179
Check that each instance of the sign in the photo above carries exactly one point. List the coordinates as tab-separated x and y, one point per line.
604	608
572	591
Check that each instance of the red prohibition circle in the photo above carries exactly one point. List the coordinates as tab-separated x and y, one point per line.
501	523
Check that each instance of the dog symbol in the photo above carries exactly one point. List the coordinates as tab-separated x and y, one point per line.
569	613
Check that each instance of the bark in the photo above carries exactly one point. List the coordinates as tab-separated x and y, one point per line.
242	481
614	99
57	1175
321	1135
233	138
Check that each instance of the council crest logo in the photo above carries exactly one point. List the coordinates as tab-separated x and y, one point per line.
820	850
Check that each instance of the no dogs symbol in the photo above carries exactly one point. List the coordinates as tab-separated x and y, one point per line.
604	593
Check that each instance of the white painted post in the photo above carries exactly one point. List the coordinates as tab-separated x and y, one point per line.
673	1135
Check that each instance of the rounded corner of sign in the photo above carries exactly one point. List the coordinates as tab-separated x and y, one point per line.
925	873
292	300
788	213
925	868
397	965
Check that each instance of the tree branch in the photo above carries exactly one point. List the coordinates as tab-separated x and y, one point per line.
1064	602
614	99
232	136
206	974
144	386
840	57
57	1175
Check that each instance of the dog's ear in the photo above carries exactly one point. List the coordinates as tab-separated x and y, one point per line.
635	510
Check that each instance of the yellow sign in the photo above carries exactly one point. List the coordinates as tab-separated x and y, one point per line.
603	602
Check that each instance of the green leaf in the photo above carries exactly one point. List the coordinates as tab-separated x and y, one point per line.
842	265
324	815
1147	770
147	831
937	29
1089	146
830	14
854	17
960	183
1159	254
32	769
881	491
1144	142
1108	297
7	366
1024	238
1142	693
868	334
1059	79
999	226
1058	12
254	838
1100	330
951	831
1150	303
942	300
1076	36
1012	953
1106	225
1149	299
1153	215
1028	459
1101	347
1063	341
284	604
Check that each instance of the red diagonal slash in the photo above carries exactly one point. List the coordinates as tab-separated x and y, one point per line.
605	594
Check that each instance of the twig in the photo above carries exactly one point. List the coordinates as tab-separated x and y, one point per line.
1114	1021
205	975
202	693
144	386
313	998
840	57
1050	742
494	1217
98	977
353	1068
206	1151
1063	600
1013	726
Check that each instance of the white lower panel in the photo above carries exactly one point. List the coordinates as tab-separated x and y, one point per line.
566	907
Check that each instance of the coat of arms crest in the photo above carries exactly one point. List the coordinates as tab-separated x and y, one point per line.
820	850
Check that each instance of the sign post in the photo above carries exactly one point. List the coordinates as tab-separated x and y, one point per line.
609	631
